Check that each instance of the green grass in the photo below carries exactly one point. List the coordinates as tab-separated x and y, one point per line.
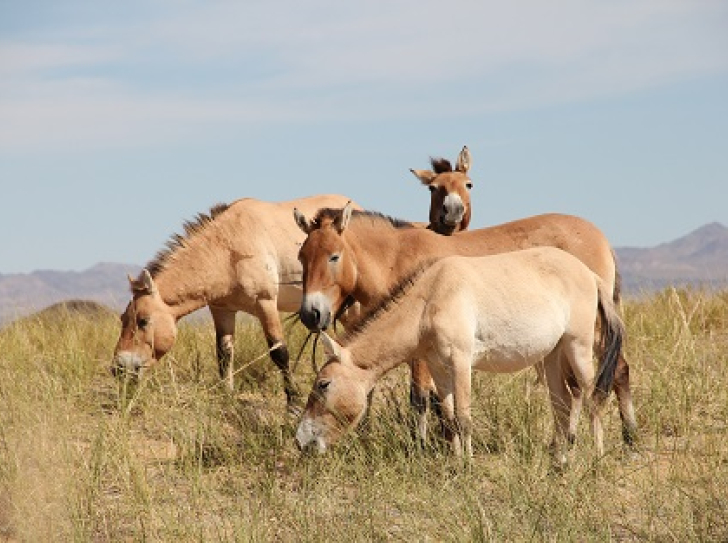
179	459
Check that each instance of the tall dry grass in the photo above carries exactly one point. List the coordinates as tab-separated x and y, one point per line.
179	459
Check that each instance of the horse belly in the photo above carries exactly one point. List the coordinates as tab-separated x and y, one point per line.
517	347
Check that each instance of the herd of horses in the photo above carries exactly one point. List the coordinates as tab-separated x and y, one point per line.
541	291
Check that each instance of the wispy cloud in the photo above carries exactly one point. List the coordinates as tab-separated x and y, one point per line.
163	76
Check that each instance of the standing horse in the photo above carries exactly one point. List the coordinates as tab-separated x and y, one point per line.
450	212
360	256
500	313
240	257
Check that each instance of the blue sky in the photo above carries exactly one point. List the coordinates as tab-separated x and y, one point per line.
118	121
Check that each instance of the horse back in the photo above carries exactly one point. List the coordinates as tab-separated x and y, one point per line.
569	233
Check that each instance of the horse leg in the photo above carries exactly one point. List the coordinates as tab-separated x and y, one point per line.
623	392
444	383
540	374
224	320
560	407
266	310
462	383
577	402
420	388
582	376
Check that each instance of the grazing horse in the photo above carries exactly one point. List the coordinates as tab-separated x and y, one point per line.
359	256
499	313
240	257
449	193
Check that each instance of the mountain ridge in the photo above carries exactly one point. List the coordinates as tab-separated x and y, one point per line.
699	258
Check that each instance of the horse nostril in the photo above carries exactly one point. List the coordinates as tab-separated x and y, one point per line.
316	316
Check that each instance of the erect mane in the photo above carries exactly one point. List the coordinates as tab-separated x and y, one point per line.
388	302
327	215
440	165
179	241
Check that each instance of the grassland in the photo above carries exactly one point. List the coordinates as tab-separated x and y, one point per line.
179	459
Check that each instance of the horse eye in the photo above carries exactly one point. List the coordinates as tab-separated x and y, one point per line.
322	386
469	185
142	322
334	258
432	188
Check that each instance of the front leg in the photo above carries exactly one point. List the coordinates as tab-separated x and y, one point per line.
224	321
267	312
444	378
420	388
462	388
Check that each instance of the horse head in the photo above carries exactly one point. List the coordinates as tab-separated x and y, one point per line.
148	328
337	402
329	272
450	193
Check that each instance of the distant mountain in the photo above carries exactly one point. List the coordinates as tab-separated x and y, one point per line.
699	258
105	283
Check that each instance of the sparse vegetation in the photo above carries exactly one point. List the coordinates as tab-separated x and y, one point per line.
179	459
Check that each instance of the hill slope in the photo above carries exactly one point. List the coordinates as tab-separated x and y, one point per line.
699	258
106	283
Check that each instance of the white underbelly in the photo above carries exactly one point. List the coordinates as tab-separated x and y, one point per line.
517	350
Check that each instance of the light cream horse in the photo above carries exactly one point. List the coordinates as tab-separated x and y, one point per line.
451	212
240	257
500	313
359	256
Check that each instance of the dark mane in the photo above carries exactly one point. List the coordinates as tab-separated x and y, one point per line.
178	241
328	214
394	296
440	165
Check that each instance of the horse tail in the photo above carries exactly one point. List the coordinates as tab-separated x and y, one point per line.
610	342
617	293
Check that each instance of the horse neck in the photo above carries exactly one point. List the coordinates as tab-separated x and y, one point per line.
193	277
389	340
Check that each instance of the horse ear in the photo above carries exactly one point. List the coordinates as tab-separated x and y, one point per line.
331	347
464	160
144	284
301	221
342	220
425	176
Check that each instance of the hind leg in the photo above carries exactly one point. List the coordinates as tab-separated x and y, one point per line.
560	407
224	321
540	374
579	358
623	392
577	401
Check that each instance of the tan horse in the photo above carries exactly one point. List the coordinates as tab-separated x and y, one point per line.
240	257
361	256
500	313
449	193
